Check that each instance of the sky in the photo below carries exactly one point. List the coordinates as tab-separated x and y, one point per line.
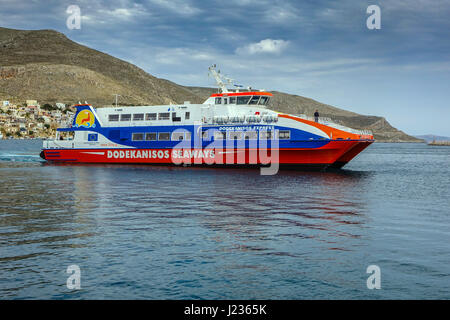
321	49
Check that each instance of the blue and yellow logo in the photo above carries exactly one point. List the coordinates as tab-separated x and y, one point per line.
86	119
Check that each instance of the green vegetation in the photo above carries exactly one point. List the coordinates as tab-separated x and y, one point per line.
49	107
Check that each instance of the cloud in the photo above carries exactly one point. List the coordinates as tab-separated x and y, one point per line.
112	14
264	46
180	7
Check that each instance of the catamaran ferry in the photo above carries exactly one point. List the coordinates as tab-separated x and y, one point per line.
231	128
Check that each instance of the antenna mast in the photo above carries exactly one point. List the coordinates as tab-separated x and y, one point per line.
117	95
218	77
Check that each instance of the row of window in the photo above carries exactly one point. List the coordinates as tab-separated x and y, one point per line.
262	100
146	116
218	135
161	136
249	135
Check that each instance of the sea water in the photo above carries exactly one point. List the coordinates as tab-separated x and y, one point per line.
156	232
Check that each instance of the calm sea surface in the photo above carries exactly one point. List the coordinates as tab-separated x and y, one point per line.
140	232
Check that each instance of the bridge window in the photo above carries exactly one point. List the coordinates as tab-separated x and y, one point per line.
113	117
164	136
138	117
150	116
264	101
125	117
232	100
137	137
164	116
187	115
284	134
150	136
254	100
218	100
243	100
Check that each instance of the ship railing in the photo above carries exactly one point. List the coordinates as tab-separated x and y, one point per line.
57	144
330	123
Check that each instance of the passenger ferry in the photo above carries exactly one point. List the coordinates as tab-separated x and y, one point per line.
233	127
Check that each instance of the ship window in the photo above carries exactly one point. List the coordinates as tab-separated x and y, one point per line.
219	135
150	136
164	136
164	116
232	100
113	117
265	134
254	100
138	117
225	101
243	100
205	135
150	116
264	100
235	135
218	100
284	134
125	117
251	135
137	137
187	115
177	136
174	117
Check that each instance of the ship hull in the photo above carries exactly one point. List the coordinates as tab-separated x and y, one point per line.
289	158
350	154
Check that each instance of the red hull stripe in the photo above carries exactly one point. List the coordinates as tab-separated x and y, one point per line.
327	154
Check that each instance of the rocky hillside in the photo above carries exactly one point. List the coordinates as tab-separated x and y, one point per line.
45	65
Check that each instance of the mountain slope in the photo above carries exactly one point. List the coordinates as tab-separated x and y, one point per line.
47	66
55	68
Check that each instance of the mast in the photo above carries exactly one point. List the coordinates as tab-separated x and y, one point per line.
220	79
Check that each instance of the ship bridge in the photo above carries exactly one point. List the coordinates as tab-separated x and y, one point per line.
255	98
